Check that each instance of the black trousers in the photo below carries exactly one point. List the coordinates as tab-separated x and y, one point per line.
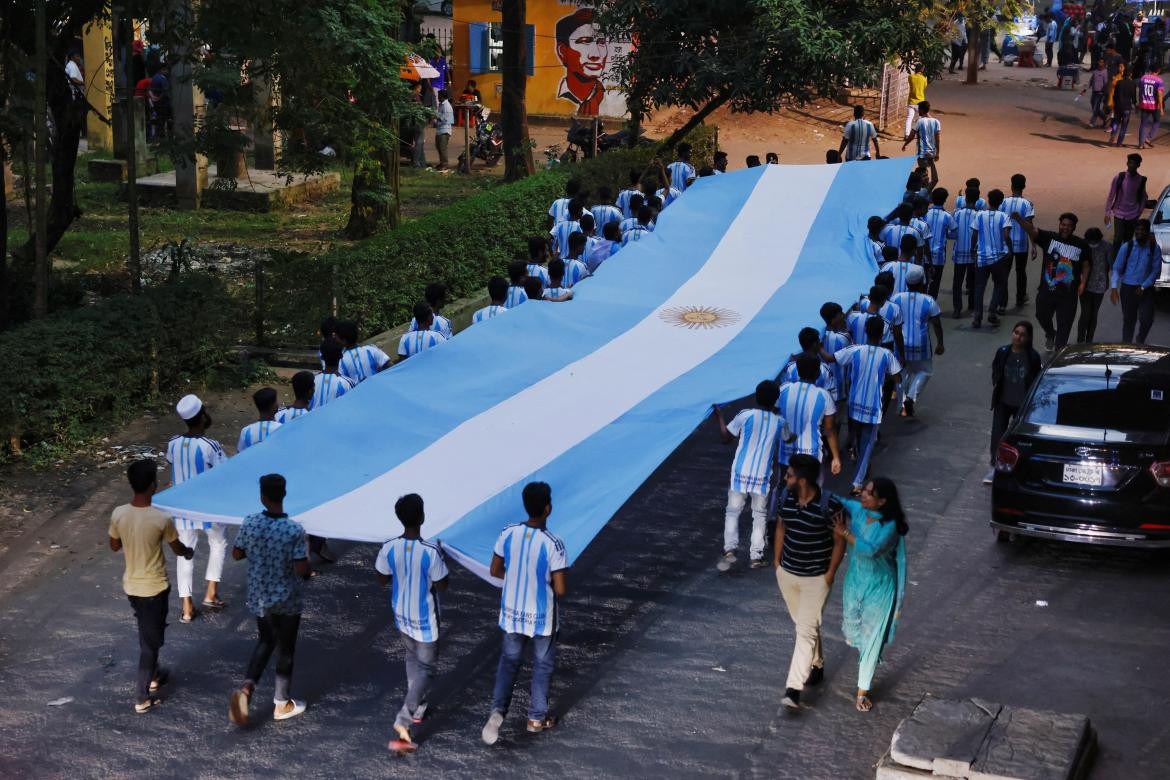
279	633
1020	261
1087	324
151	613
1122	232
996	272
958	53
1059	302
1136	310
1001	417
1048	53
964	274
934	275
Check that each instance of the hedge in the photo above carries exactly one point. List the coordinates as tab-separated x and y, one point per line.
70	370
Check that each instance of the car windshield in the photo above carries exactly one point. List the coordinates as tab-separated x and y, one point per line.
1135	410
1162	215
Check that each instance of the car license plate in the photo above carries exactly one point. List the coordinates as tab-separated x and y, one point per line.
1083	474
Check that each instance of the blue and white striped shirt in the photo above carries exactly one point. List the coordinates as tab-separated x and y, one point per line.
575	271
559	210
290	413
560	235
327	387
629	224
918	309
603	214
1017	204
826	380
668	196
923	228
964	220
636	233
190	456
540	272
867	367
528	604
759	432
858	134
893	232
516	296
623	202
417	341
942	227
833	341
899	268
487	312
256	432
440	325
556	292
855	321
988	227
803	406
362	362
414	566
679	173
961	203
928	129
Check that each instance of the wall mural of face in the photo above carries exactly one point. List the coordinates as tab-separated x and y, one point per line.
584	52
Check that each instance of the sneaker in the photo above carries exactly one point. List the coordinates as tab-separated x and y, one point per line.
287	709
791	699
726	561
908	407
815	676
989	477
1049	343
491	730
758	563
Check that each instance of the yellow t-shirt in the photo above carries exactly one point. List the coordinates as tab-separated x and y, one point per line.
143	530
917	88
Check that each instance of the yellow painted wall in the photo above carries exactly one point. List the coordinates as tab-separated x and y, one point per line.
545	84
97	55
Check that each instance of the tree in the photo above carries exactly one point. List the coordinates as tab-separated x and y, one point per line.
755	55
981	16
513	112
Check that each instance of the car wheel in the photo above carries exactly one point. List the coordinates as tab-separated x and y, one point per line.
1004	537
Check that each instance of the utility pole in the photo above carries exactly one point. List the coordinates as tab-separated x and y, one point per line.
126	28
40	141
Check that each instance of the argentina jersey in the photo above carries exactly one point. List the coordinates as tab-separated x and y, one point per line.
668	196
899	269
803	406
636	233
414	566
326	387
942	227
556	292
255	433
559	210
964	235
603	214
759	433
528	604
867	367
515	297
560	236
417	341
961	203
680	172
826	380
440	325
917	311
540	272
290	413
190	456
988	228
487	312
832	341
928	129
892	235
361	362
575	271
623	202
858	134
1017	205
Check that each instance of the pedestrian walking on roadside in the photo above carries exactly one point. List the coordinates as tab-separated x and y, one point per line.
920	313
417	573
807	409
1151	94
444	121
806	555
532	563
278	560
417	128
958	44
1124	99
874	527
991	237
1126	201
1132	282
190	454
1098	84
1018	245
1015	367
927	131
1061	277
759	431
917	82
1096	283
835	337
942	228
1050	36
857	135
139	531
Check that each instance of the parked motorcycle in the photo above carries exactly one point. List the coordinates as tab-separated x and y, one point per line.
487	144
580	138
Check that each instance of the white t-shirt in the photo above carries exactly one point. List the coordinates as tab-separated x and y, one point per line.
415	566
528	604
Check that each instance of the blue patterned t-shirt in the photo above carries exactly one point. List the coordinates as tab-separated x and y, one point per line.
271	544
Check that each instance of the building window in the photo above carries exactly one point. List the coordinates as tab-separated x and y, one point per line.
486	47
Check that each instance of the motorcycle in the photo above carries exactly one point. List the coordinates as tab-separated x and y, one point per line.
580	138
486	145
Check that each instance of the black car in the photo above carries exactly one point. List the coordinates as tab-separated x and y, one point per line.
1088	457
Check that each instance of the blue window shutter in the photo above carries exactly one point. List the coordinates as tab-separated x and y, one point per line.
477	33
530	45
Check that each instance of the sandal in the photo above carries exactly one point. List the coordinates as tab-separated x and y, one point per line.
537	726
238	706
148	705
864	704
161	678
215	604
188	618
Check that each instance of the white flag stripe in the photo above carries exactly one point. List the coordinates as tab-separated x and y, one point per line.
501	446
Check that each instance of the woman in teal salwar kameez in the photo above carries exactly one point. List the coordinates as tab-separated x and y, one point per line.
875	581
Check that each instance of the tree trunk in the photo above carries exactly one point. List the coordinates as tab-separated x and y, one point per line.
513	111
695	121
69	118
5	315
370	199
974	52
393	169
41	136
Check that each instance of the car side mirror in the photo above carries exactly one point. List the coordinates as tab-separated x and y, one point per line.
1151	203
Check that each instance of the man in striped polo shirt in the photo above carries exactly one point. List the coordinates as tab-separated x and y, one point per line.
416	572
990	239
857	136
253	433
358	362
806	555
416	341
681	170
942	227
330	384
1016	203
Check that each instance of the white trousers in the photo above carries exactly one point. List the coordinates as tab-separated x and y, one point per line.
217	551
911	115
805	598
735	502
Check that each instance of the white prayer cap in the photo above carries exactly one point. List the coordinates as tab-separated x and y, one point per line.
915	274
188	406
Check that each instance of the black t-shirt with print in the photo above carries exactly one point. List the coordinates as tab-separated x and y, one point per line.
1063	259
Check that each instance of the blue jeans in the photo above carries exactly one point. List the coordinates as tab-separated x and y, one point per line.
419	658
544	656
866	436
1148	127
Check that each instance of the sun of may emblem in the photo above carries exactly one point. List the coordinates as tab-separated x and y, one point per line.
693	317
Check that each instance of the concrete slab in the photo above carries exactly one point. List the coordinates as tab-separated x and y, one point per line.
1026	744
115	170
943	735
889	769
255	191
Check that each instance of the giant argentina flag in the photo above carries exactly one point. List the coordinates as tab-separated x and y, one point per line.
589	396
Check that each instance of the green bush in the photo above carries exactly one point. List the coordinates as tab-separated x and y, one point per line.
70	370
